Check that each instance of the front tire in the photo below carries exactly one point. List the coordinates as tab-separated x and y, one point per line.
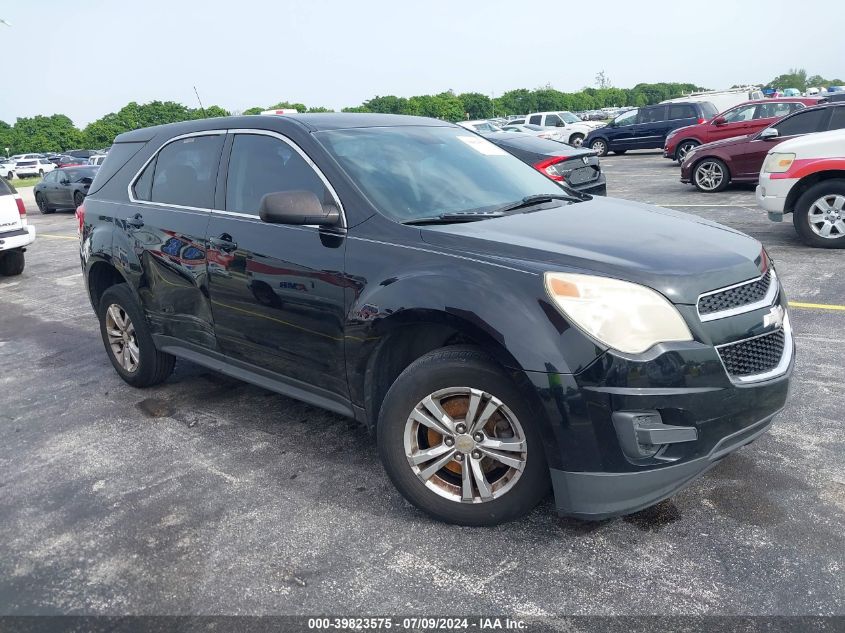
460	442
12	263
684	149
576	140
129	343
710	175
599	146
819	216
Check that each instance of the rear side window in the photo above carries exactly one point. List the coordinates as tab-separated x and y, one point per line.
118	156
681	111
708	110
652	115
801	123
535	119
837	119
262	164
5	188
186	172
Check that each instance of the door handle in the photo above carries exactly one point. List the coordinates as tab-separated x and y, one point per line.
223	242
136	221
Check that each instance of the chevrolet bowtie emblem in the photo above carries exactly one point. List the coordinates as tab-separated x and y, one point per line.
774	317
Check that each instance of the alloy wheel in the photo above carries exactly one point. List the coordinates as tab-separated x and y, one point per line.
709	175
827	216
599	147
465	445
576	141
123	341
683	150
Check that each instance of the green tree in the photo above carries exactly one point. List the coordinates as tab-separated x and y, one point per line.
795	78
44	134
476	105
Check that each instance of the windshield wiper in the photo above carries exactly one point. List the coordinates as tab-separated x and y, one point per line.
539	198
457	216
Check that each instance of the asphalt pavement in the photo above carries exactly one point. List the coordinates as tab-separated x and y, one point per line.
206	495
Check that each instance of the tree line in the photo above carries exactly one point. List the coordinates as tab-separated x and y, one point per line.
57	133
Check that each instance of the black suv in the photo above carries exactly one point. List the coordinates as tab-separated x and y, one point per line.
647	127
497	332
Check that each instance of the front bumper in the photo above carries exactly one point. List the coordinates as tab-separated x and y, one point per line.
17	238
686	387
771	194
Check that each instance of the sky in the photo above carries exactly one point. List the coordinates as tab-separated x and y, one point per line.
91	57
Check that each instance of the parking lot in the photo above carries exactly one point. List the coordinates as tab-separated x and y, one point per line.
207	495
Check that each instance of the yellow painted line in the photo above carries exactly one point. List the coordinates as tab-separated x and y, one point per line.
816	306
57	237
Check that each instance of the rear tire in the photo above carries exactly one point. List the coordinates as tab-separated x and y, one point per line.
10	175
42	204
128	341
599	146
816	213
12	263
473	488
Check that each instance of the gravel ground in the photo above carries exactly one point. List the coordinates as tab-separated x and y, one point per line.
209	496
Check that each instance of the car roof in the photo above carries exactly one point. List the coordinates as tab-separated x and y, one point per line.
312	122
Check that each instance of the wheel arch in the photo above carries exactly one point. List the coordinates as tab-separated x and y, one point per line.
101	276
806	182
685	140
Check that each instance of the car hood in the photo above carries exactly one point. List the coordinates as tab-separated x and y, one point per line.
682	130
678	255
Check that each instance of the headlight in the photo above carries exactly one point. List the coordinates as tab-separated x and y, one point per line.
777	163
625	316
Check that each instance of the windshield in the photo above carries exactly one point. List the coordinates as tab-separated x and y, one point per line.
569	117
418	172
485	127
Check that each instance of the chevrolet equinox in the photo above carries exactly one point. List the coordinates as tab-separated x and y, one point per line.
497	332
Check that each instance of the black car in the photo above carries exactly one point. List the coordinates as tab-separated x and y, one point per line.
497	333
579	169
81	153
64	188
647	127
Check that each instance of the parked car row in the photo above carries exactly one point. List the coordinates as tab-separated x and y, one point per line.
38	165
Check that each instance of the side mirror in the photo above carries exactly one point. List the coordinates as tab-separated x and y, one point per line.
719	120
560	124
769	134
296	207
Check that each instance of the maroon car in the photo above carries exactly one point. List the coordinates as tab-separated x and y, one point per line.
713	166
741	120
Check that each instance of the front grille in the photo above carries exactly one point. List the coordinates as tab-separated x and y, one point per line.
736	297
755	355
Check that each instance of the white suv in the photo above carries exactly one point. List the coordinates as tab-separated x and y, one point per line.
33	167
572	129
15	233
804	176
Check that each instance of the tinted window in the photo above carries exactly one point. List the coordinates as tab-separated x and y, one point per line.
51	177
771	110
116	158
679	111
652	115
535	119
143	186
186	172
79	174
262	164
5	188
554	120
801	123
837	120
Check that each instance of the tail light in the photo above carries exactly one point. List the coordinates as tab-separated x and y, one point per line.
701	121
80	219
21	208
548	167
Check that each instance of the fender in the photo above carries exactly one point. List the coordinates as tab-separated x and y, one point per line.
803	167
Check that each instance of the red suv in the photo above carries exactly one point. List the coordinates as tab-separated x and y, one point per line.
746	118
